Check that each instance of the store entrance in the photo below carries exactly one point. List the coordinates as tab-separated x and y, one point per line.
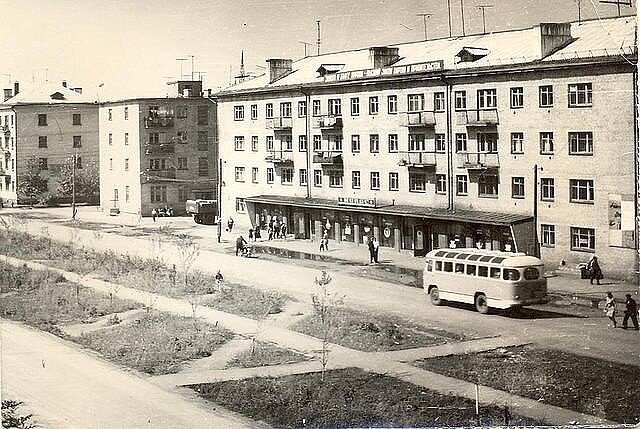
421	242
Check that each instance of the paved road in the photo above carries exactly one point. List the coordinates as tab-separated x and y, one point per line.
68	388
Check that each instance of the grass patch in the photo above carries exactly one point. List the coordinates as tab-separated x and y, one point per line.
588	385
45	299
265	354
369	332
347	398
157	343
246	301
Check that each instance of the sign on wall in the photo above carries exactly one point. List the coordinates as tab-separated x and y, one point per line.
357	202
621	221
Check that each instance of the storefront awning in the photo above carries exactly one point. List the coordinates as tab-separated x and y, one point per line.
430	213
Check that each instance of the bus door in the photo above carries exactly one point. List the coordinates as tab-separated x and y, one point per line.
421	242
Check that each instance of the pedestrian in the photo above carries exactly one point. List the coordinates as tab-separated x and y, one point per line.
325	237
250	234
322	243
257	234
376	247
154	213
230	224
610	308
595	273
240	243
371	250
173	273
630	312
283	230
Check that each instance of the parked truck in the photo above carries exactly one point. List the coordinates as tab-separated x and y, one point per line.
203	211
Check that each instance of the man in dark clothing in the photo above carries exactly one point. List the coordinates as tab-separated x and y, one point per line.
631	312
240	243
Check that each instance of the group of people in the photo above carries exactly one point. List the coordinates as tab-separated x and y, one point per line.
630	312
162	212
276	229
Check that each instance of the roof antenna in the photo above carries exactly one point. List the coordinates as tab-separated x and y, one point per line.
424	22
242	63
449	12
462	15
482	7
318	24
617	3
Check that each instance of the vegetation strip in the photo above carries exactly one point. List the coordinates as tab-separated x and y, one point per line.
265	354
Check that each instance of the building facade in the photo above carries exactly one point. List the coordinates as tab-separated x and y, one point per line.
521	140
49	125
158	152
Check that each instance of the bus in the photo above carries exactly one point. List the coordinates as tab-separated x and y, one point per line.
485	278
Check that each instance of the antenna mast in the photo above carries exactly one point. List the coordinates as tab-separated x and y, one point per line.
424	22
484	22
617	3
318	24
462	15
449	12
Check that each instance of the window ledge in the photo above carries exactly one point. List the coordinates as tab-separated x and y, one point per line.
587	202
493	196
575	249
580	153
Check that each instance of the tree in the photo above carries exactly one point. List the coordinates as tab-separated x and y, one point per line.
87	181
323	305
32	187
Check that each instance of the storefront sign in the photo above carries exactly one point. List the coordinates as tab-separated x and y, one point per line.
387	232
357	202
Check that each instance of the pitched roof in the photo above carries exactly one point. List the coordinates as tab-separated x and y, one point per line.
48	94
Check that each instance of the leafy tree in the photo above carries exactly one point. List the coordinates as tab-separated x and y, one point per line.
87	181
32	187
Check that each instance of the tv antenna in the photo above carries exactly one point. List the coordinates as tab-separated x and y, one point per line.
483	7
318	25
617	3
424	16
449	13
462	15
181	61
305	47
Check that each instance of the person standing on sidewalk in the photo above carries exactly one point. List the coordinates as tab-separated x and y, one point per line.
610	308
631	312
240	243
595	273
371	249
154	213
230	224
376	247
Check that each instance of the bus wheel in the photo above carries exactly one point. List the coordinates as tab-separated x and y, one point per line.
481	303
434	294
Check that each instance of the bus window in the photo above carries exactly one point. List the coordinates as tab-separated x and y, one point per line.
462	256
448	267
474	257
460	268
429	265
438	265
486	258
483	271
531	273
510	274
471	270
495	273
440	254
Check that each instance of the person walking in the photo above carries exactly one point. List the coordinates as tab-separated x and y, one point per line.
610	308
630	312
250	234
257	234
230	224
371	249
240	243
283	230
154	213
595	273
325	238
376	247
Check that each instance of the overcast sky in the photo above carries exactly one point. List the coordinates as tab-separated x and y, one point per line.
132	46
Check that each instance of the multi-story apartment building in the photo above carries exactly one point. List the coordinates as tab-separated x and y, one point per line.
50	123
518	139
158	152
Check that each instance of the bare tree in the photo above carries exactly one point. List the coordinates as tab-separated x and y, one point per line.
154	269
188	251
323	305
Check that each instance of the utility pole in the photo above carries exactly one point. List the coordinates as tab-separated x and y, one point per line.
462	15
617	3
482	7
318	24
424	22
449	12
305	47
73	185
220	201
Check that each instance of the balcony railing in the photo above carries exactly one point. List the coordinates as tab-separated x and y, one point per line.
279	157
159	121
279	124
158	175
4	172
167	148
478	118
417	159
478	160
328	157
5	129
419	119
328	122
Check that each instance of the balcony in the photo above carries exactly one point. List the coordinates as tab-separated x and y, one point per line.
279	124
151	176
419	120
478	118
159	121
4	172
478	160
417	159
279	157
167	148
328	157
328	122
4	129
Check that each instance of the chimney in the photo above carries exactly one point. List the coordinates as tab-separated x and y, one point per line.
554	36
16	88
64	83
382	56
7	94
78	90
278	67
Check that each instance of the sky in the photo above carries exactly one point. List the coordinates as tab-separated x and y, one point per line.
131	47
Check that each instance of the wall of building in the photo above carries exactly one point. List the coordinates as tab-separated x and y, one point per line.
8	177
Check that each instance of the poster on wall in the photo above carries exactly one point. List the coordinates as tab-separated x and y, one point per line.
621	221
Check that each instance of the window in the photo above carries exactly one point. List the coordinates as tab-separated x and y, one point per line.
286	176
462	184
517	98
238	113
417	182
157	164
270	174
109	114
517	143
182	113
580	95
77	141
393	143
417	143
471	269
154	138
441	183
374	143
547	189
548	235
238	142
546	142
487	99
441	144
375	180
285	109
317	177
461	142
110	163
126	139
203	139
126	194
392	104
77	119
546	95
487	143
269	143
268	111
203	167
302	109
317	143
373	105
302	143
355	106
415	102
355	143
42	142
488	186
483	271
254	111
302	175
335	107
183	193
336	178
581	143
43	164
315	105
182	164
254	174
438	102
241	206
583	239
286	143
254	143
460	98
517	187
581	191
394	182
126	164
183	137
355	179
158	194
42	119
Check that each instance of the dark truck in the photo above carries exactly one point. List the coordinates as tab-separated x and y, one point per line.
203	211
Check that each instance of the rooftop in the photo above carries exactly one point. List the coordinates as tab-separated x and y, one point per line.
49	93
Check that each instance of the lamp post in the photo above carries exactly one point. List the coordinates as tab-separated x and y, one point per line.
220	200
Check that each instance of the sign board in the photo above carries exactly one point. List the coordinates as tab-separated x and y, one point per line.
357	202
